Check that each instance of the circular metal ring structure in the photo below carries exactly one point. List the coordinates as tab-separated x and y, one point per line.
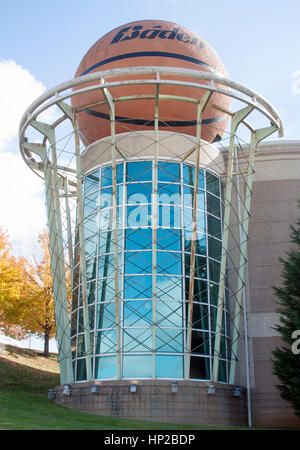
54	149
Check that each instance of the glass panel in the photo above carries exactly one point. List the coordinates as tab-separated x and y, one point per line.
81	370
212	184
214	248
138	287
169	288
91	246
168	171
168	216
106	367
214	271
188	196
120	170
90	225
106	176
139	171
137	366
138	239
200	342
91	266
188	218
91	182
138	262
213	292
106	290
200	291
139	216
168	366
106	315
169	313
213	205
168	239
201	179
188	174
169	263
80	345
106	242
200	316
200	368
138	313
168	194
91	291
169	340
214	226
201	200
106	266
90	203
200	266
139	193
106	219
106	341
137	339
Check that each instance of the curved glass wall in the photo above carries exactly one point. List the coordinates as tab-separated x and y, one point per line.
148	269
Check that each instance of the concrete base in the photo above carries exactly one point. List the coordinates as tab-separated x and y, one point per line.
154	400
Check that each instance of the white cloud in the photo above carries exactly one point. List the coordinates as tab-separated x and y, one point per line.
22	210
18	89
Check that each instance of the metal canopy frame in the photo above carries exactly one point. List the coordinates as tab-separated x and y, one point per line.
64	183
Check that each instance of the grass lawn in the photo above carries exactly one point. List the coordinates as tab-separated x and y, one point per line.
26	376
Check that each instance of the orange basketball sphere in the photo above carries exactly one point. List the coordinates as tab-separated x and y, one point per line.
150	43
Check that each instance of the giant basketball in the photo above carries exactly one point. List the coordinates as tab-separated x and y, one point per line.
150	43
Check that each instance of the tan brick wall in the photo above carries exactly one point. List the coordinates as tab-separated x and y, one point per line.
154	401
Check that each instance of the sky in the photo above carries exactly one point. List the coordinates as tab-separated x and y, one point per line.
42	43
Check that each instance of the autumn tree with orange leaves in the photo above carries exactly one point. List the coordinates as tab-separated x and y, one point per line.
26	291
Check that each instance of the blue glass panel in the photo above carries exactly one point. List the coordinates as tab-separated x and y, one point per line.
106	341
106	200
106	176
138	313
201	226
139	216
106	241
201	179
169	313
90	203
168	366
137	339
168	194
138	239
90	225
201	200
167	171
106	290
188	174
169	288
138	193
106	367
138	262
212	184
168	239
188	218
169	216
137	366
91	265
169	340
213	205
120	170
106	315
91	246
91	182
106	266
169	263
138	287
139	171
188	195
106	219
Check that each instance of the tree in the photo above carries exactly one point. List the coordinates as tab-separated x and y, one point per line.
287	362
27	294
